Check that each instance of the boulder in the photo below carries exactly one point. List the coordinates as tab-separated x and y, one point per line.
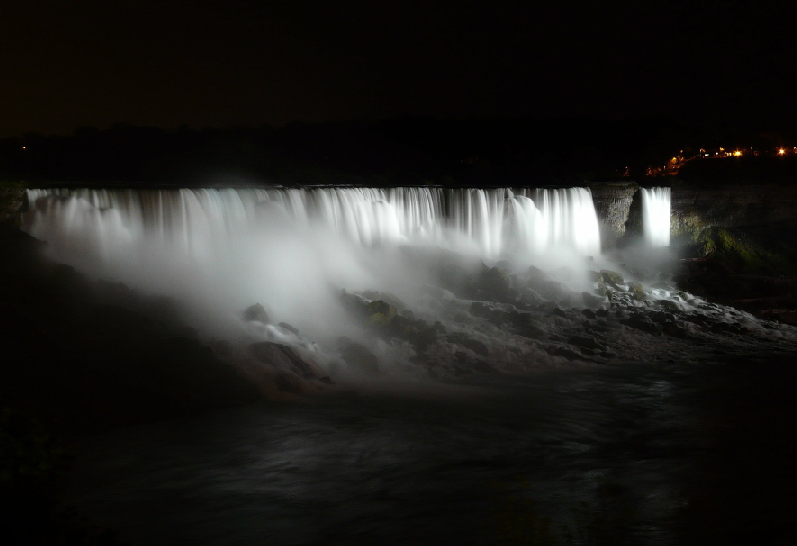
585	342
381	307
288	327
358	357
494	283
379	320
354	304
387	297
636	291
642	323
479	309
285	358
256	312
536	274
611	277
416	331
287	382
550	290
675	329
567	353
591	300
670	305
474	345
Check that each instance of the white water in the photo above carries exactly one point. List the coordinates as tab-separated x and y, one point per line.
492	223
225	249
656	216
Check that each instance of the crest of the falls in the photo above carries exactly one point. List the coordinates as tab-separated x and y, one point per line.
196	222
656	216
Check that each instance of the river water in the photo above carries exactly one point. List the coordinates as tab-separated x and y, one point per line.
631	453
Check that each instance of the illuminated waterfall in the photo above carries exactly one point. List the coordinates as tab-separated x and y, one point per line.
656	216
492	222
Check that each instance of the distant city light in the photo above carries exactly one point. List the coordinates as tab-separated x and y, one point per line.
737	153
781	152
24	147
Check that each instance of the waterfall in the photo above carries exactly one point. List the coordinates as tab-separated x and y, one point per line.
656	216
221	250
490	222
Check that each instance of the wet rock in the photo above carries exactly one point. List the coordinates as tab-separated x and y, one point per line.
602	313
494	283
585	342
550	290
589	313
591	300
378	320
479	309
642	323
636	291
473	344
725	328
661	316
285	358
406	313
455	277
387	297
354	304
675	329
669	304
416	331
611	278
357	356
287	382
288	327
256	312
382	307
559	313
535	274
567	353
482	366
531	331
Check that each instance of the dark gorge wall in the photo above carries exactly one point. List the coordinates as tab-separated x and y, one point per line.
12	197
762	205
613	202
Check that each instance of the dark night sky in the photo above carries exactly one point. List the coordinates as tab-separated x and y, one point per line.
71	64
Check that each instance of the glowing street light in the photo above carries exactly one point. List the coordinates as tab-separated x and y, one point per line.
737	153
781	152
